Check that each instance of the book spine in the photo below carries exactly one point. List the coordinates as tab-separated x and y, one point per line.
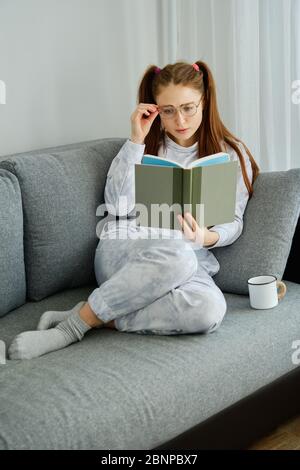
187	191
177	197
198	208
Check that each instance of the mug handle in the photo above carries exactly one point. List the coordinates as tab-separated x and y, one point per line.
282	289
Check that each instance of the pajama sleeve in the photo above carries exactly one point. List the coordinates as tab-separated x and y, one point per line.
230	232
119	192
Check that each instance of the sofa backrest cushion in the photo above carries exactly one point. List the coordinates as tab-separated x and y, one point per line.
61	190
12	268
270	219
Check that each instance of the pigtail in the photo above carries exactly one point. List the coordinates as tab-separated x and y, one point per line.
145	95
213	132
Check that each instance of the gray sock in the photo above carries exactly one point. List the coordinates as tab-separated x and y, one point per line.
32	344
52	318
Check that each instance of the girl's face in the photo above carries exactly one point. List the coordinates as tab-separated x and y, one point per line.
177	95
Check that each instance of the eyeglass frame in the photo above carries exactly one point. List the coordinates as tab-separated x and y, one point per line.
177	107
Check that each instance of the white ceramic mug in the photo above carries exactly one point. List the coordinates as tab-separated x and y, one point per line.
265	291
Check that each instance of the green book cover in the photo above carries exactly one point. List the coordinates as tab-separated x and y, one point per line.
162	192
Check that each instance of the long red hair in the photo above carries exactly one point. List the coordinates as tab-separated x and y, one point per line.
211	131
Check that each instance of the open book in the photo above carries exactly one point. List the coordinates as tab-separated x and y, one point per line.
206	189
220	157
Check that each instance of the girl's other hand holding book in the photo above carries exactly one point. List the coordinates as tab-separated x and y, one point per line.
192	231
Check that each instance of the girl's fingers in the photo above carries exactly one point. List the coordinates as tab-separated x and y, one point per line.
198	233
191	220
186	228
142	107
144	111
195	234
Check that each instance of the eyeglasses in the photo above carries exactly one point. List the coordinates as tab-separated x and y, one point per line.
187	110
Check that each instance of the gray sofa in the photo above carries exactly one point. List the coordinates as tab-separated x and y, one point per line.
118	390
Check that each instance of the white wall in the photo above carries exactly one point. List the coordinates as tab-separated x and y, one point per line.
67	74
72	68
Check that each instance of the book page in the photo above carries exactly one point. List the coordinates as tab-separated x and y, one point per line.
153	160
214	159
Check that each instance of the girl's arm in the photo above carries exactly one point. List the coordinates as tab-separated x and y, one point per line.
119	192
230	232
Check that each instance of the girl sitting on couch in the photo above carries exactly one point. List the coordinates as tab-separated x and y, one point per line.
146	285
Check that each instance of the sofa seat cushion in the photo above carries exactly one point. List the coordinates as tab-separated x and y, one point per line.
61	190
12	268
263	247
117	390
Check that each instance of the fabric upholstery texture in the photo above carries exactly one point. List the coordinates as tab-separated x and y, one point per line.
117	390
12	269
61	191
270	219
